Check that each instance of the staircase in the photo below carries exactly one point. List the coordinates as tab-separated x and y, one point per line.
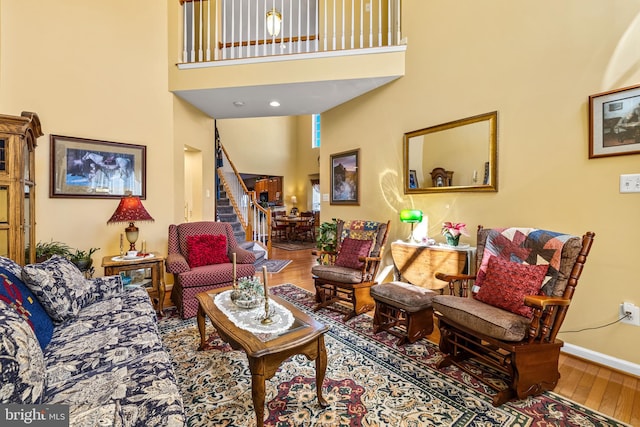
225	213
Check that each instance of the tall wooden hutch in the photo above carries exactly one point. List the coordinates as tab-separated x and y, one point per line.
18	135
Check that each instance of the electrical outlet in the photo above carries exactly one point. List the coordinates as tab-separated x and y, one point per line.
628	307
630	183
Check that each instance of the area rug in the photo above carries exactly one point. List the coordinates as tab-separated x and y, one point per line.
369	382
273	265
293	246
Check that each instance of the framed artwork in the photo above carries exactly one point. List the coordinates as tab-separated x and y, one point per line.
413	179
87	168
614	123
345	185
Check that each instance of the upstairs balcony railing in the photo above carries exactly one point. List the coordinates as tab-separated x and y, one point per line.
215	30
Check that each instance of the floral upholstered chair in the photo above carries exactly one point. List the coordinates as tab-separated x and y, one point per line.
348	273
200	258
525	280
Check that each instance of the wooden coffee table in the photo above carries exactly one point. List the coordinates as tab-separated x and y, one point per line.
305	336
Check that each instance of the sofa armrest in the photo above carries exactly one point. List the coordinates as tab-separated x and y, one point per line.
176	263
106	287
243	256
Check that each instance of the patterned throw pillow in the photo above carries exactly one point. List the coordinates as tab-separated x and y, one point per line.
60	287
506	284
16	294
350	252
207	249
22	369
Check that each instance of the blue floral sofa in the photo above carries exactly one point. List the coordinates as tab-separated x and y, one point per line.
88	344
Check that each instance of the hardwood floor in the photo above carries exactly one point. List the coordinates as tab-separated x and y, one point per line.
597	387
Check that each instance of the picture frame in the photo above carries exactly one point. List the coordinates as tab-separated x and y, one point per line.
89	168
413	178
614	123
345	178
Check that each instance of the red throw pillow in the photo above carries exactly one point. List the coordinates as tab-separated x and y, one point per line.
207	249
506	283
350	252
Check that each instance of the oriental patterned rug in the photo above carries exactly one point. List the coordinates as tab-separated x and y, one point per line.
369	382
294	246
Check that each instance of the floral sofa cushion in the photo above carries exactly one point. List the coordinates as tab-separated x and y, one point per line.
62	288
22	368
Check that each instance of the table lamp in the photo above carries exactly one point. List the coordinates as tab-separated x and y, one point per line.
129	210
411	216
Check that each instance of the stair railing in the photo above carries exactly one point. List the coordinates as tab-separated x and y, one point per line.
255	220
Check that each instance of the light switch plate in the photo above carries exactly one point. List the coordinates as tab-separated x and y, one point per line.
630	183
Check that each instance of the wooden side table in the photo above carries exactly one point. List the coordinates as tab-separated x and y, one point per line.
152	278
418	264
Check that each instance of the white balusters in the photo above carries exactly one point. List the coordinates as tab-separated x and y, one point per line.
232	27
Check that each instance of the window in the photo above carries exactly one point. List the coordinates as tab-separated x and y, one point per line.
315	130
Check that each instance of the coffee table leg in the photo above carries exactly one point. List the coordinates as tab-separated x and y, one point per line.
321	367
257	394
202	327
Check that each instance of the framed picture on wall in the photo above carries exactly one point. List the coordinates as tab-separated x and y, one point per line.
614	123
345	178
88	168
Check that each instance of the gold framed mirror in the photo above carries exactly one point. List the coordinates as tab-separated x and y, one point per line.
454	156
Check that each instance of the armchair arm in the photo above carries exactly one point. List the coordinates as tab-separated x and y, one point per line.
243	256
325	257
453	277
546	309
176	263
543	301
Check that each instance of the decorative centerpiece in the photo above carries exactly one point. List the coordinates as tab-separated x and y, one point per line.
248	292
452	232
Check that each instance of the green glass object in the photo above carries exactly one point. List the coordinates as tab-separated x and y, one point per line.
411	216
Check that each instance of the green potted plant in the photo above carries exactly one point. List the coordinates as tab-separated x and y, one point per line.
82	259
46	250
326	240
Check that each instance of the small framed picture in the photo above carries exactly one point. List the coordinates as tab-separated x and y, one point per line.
413	179
87	168
614	123
345	178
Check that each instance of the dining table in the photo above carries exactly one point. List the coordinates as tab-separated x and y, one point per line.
292	222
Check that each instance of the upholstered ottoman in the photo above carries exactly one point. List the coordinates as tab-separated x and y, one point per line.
406	305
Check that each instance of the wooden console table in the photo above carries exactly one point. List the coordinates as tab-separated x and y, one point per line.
153	280
418	264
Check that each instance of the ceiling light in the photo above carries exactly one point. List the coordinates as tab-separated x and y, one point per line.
274	103
238	103
274	19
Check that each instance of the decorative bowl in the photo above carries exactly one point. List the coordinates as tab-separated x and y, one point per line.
248	293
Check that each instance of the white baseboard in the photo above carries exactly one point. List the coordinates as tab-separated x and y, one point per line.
602	359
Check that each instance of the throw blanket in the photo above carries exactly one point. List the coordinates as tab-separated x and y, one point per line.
526	246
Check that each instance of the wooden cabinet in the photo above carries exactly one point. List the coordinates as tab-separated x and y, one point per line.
271	186
18	135
418	264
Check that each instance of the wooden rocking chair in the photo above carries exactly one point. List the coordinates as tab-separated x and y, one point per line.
516	308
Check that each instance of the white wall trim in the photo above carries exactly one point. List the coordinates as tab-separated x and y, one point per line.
602	359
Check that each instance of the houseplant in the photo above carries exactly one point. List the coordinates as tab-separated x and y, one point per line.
44	251
326	240
248	292
82	259
452	232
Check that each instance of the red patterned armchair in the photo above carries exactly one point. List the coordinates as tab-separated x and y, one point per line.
200	255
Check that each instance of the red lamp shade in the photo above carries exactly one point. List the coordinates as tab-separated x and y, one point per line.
129	210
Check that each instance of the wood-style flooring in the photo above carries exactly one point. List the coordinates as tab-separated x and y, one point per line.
597	387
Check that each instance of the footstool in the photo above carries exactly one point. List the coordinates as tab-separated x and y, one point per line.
406	305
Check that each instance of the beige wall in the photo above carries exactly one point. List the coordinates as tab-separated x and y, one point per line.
92	72
535	65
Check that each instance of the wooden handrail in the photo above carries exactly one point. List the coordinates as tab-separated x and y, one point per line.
268	41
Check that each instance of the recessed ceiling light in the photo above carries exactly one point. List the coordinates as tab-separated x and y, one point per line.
238	103
274	103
